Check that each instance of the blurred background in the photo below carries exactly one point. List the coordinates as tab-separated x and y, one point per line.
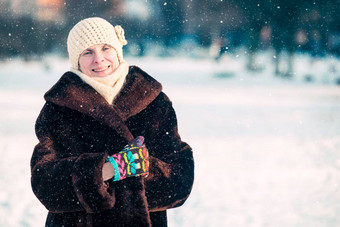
255	85
31	29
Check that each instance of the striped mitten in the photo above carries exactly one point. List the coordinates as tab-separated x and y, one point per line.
132	161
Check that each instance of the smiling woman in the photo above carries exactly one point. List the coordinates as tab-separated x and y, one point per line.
109	151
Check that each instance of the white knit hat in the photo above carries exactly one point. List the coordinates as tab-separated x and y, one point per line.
92	31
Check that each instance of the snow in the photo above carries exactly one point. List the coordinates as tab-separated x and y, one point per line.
265	148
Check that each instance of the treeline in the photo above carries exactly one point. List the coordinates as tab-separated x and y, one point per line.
300	25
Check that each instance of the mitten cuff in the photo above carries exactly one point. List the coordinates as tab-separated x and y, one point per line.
115	167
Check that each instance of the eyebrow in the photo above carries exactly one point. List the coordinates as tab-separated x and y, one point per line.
88	49
104	45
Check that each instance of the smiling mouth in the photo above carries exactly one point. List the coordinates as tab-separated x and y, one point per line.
101	69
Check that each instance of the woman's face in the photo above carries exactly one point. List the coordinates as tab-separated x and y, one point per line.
99	60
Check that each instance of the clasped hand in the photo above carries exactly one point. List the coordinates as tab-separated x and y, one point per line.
132	161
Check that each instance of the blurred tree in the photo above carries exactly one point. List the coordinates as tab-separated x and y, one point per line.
76	10
256	16
284	17
173	19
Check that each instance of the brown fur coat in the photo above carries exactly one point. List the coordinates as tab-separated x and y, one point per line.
77	130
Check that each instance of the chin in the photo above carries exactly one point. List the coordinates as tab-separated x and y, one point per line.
104	75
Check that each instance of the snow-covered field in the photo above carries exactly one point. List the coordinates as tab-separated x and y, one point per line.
266	149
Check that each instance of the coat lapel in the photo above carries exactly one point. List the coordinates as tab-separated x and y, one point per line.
138	91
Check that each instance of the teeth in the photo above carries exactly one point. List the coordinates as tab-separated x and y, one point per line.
100	70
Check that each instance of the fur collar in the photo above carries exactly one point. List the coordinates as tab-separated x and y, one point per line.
137	93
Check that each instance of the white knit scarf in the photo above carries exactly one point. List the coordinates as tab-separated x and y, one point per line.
108	86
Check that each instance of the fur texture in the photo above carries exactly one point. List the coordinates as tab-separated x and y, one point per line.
77	130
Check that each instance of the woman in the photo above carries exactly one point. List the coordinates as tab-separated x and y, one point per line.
87	169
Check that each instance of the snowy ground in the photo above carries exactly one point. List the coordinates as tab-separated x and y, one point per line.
266	149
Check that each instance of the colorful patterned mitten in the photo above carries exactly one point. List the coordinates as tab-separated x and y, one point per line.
132	161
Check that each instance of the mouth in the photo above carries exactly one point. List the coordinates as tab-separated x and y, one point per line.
101	69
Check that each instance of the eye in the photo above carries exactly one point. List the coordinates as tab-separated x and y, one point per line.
86	52
106	48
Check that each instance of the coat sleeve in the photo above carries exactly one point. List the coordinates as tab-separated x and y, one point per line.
66	183
171	161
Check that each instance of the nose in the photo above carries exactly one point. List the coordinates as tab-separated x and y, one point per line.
98	57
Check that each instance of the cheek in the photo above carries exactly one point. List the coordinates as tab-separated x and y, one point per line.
114	58
116	61
83	64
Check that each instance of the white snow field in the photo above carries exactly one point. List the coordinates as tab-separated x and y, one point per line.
267	149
